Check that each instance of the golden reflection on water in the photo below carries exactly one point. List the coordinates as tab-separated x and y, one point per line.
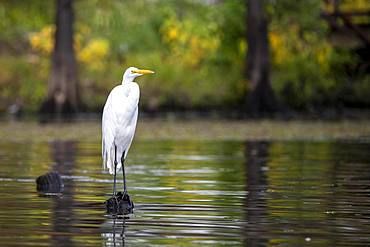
190	193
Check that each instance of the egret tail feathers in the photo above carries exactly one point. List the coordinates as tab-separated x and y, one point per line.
108	161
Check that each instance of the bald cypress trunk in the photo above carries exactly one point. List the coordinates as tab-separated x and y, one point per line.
261	98
62	97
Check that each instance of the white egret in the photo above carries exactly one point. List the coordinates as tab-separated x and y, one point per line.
119	123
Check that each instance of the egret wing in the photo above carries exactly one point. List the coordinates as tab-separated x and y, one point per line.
119	123
127	118
109	126
131	131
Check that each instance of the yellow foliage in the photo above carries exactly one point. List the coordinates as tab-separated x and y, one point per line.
243	47
92	54
77	42
43	41
354	5
323	54
287	45
189	43
172	34
279	48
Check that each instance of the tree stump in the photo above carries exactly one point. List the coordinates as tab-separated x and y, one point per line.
119	204
50	182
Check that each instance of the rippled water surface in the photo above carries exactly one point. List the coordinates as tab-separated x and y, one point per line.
190	193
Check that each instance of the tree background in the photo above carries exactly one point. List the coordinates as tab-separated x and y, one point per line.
198	49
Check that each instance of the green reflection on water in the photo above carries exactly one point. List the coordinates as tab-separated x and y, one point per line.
190	193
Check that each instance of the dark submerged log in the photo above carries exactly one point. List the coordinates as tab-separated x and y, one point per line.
50	182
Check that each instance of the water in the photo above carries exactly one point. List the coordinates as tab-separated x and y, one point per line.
190	193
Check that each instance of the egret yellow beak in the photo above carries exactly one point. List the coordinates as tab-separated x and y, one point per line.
143	71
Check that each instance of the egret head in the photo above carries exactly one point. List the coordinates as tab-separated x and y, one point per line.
133	72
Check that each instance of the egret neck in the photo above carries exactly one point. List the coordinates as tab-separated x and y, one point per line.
128	77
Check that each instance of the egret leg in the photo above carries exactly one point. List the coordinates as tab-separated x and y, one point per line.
123	173
115	170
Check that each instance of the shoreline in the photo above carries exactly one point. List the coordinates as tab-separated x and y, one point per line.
194	129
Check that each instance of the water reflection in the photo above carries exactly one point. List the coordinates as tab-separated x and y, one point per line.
115	237
256	185
64	155
191	193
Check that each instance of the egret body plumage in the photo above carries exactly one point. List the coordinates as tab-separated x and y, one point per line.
119	123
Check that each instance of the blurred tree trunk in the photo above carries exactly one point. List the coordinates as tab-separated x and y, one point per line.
261	98
62	98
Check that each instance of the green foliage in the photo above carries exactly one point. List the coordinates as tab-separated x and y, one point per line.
191	51
19	17
197	48
18	86
308	70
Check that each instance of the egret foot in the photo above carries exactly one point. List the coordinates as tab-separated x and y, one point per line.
120	204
